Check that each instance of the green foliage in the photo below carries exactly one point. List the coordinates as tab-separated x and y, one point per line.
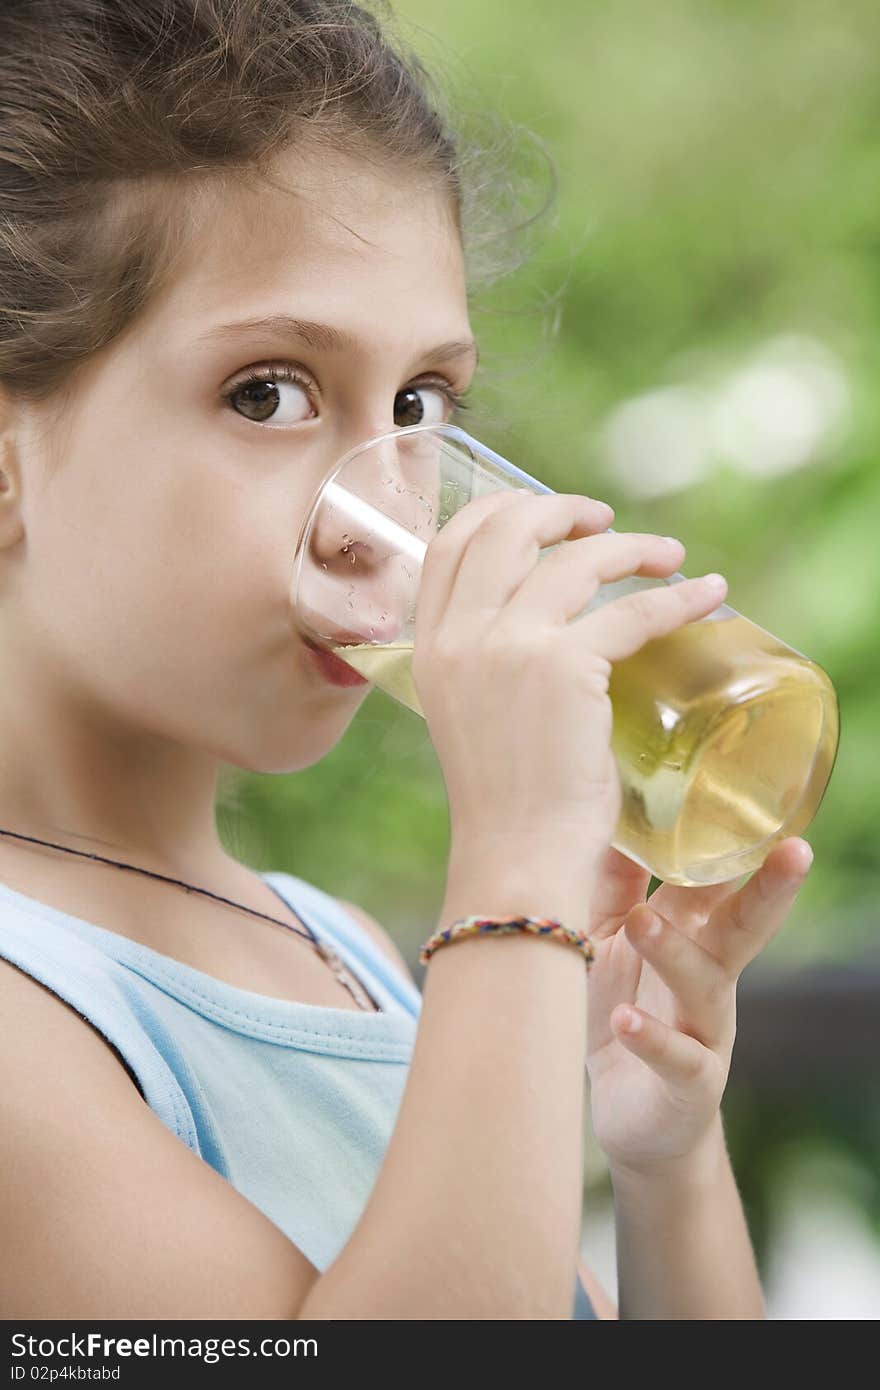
719	189
719	186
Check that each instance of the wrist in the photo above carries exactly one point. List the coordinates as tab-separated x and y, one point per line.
699	1168
493	877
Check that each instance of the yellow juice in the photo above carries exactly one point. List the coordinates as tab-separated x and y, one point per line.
724	737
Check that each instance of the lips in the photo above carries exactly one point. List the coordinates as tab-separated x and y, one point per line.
333	668
345	637
348	638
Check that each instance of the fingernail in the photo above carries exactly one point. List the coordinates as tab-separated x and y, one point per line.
655	927
807	852
633	1021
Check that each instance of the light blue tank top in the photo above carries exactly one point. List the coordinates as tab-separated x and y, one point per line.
293	1104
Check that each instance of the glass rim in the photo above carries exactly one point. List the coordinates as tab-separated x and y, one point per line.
347	458
440	427
445	429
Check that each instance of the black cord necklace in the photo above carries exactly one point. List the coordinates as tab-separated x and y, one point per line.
324	950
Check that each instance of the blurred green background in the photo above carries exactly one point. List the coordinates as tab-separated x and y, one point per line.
695	339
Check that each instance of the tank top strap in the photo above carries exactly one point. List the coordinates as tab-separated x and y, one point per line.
81	975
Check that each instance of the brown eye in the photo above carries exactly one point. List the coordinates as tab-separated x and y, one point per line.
275	396
409	409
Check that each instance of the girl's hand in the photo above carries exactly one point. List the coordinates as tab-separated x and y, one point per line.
662	1000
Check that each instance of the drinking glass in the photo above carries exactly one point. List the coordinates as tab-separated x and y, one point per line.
725	737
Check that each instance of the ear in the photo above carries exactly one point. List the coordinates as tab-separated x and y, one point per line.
11	521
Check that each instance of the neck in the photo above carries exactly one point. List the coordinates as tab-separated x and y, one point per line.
72	777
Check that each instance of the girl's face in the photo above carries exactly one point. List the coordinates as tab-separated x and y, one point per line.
152	583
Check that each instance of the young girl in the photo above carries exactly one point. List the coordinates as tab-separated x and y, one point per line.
231	248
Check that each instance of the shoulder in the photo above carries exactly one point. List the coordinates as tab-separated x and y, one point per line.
141	1217
379	935
43	1026
54	983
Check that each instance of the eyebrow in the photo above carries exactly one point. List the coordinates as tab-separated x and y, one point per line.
321	337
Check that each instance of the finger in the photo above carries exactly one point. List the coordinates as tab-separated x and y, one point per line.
503	556
621	883
504	549
702	991
680	1060
745	922
623	625
565	582
689	908
444	553
614	979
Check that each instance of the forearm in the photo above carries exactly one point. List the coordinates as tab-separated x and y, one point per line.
683	1248
476	1210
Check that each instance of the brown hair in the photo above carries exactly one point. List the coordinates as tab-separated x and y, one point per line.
109	109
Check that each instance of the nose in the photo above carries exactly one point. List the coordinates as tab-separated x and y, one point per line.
359	573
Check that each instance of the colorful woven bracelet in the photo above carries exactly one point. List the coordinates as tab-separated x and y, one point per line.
540	926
